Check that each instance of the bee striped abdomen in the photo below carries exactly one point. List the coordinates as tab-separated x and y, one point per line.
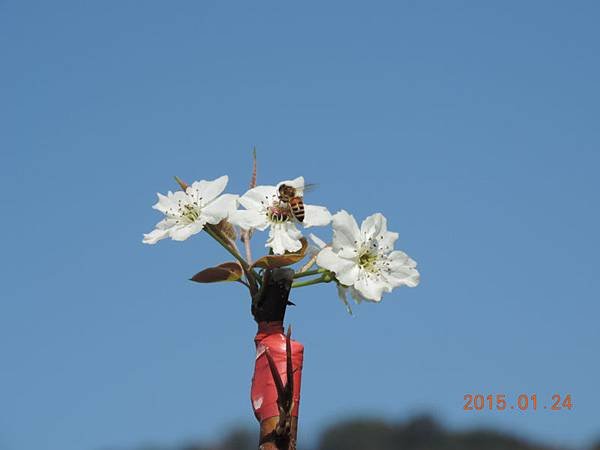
297	208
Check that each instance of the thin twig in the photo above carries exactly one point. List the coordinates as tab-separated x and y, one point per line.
253	179
311	262
246	239
247	234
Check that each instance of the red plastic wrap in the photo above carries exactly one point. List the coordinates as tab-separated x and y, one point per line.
264	393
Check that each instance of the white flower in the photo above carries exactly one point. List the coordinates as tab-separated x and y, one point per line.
264	209
187	212
364	258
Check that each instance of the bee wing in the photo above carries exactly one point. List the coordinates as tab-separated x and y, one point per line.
309	187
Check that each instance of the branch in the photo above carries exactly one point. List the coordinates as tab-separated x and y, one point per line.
247	234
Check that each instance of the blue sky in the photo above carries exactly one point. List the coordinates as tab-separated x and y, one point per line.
473	126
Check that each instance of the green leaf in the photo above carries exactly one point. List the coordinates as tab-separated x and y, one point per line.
229	271
287	259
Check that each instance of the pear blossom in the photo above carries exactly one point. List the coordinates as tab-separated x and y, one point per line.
187	212
264	209
363	258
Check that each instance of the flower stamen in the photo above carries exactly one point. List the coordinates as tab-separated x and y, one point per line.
367	261
190	212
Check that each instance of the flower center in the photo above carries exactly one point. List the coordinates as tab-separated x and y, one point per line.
367	261
190	212
185	213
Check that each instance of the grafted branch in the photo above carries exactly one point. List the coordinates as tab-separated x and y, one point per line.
269	306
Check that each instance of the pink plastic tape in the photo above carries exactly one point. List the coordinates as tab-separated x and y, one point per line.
264	393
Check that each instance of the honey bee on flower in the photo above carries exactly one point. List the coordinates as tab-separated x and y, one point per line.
280	208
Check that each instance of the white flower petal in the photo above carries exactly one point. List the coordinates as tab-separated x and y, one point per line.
205	191
181	233
402	270
249	218
370	288
346	234
164	202
414	279
373	226
284	237
386	241
155	235
398	258
316	216
357	296
259	197
346	271
165	224
220	208
170	203
403	277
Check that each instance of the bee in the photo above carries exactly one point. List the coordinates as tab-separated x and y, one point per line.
290	196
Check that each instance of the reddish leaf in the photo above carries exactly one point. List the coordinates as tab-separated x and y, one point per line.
287	259
229	271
